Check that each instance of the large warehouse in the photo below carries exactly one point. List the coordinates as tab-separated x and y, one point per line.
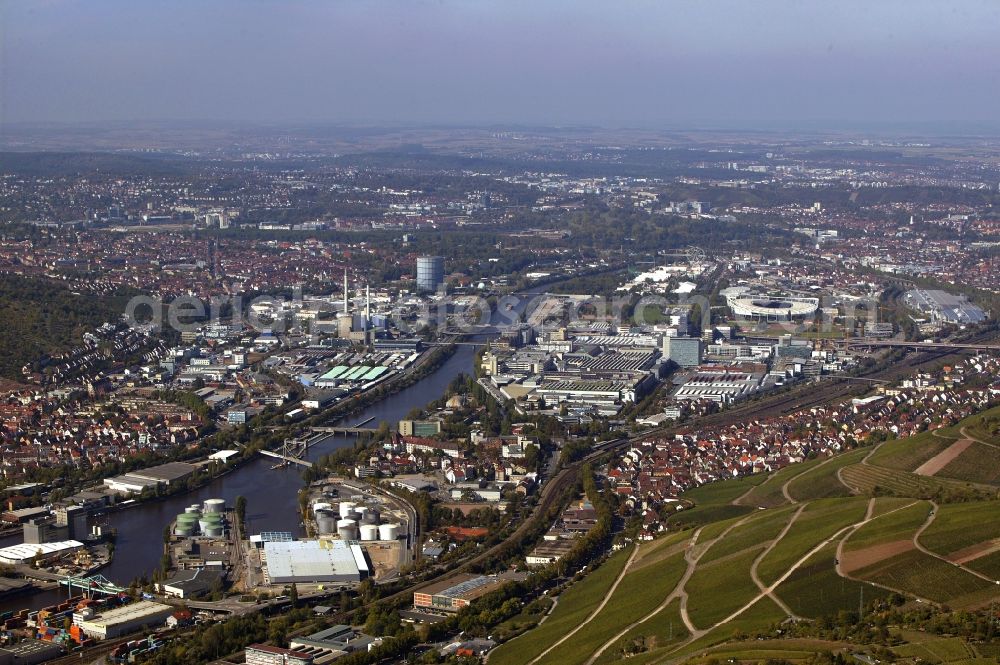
162	475
25	553
122	620
303	561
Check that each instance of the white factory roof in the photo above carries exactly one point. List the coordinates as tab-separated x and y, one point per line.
223	454
309	559
24	551
128	613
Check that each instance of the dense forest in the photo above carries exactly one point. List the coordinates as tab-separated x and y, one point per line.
39	316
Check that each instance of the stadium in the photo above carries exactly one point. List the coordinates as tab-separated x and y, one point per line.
772	308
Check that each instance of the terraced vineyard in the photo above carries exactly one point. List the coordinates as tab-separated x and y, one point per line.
810	541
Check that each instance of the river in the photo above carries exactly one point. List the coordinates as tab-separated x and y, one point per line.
271	494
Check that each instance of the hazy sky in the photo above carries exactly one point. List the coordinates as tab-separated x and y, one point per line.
656	63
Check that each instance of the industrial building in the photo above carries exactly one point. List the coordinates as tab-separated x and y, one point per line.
944	307
122	620
25	552
430	272
332	643
312	561
29	652
136	481
192	583
723	384
457	592
264	654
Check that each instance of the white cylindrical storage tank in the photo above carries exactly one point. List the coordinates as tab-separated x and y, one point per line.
321	505
347	529
193	510
388	531
346	508
215	505
369	532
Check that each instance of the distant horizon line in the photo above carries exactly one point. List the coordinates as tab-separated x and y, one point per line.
913	129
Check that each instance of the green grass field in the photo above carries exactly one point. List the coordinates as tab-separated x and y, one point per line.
867	479
707	514
909	453
714	502
792	650
815	589
575	604
662	630
763	614
960	525
723	492
822	482
978	463
987	565
887	504
933	649
758	530
721	587
984	426
769	494
925	577
890	527
819	521
639	593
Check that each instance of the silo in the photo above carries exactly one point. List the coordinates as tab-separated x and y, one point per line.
369	532
183	530
193	510
210	522
346	508
326	522
215	505
371	516
321	505
347	529
187	523
214	531
388	531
